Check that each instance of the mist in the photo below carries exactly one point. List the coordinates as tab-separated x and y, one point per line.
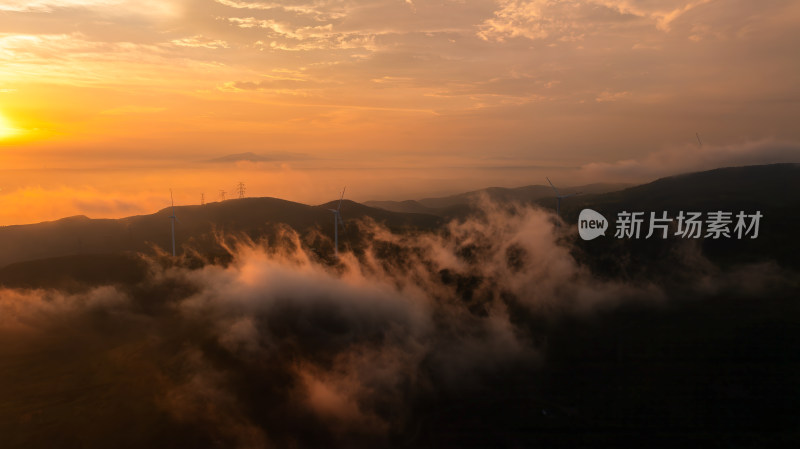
413	340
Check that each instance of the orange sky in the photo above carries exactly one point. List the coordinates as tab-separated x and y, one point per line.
106	104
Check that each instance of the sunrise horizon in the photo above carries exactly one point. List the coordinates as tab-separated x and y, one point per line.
105	105
394	224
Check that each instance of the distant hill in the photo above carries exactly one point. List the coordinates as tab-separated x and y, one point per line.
756	184
773	189
454	204
407	206
252	216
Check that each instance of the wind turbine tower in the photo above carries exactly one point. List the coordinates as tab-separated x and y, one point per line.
337	219
559	197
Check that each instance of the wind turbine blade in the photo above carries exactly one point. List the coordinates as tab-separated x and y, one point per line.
551	185
342	198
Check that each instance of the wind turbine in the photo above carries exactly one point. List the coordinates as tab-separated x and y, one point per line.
337	219
559	197
172	218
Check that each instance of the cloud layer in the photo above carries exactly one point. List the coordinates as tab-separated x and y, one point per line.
395	86
277	349
698	157
336	64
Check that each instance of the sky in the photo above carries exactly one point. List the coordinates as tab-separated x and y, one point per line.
107	104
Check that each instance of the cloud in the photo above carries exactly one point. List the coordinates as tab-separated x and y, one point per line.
342	350
529	19
320	10
252	157
662	12
77	58
569	20
694	157
153	9
532	80
51	5
286	36
199	41
277	348
611	96
19	205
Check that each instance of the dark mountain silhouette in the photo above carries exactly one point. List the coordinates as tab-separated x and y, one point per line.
407	206
773	186
251	216
770	189
455	204
773	190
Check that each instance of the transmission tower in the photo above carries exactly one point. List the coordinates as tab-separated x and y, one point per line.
222	195
240	188
202	199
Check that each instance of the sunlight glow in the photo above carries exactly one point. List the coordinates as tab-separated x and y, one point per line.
6	129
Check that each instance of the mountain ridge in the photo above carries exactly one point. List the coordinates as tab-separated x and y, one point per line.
769	187
444	206
139	233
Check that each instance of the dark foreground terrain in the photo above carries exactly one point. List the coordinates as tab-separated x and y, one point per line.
499	330
711	372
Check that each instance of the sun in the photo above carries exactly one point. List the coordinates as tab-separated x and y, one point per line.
6	129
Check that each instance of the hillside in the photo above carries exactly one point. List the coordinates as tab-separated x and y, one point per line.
456	204
775	186
252	216
773	190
